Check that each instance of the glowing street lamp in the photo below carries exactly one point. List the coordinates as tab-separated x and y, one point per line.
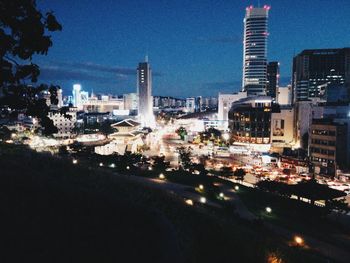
268	210
299	240
112	165
128	167
222	195
161	176
101	164
189	202
226	136
236	187
75	161
201	187
150	168
203	200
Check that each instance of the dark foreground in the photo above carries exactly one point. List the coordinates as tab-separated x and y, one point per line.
53	211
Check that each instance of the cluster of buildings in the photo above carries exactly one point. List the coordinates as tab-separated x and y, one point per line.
312	113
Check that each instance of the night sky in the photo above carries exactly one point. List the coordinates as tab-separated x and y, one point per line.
194	47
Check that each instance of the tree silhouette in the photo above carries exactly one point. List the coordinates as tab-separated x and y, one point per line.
160	164
185	157
181	132
106	128
239	174
226	171
24	33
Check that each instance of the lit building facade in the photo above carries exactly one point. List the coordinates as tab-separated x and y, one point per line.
250	120
77	96
104	104
328	146
64	125
282	128
224	105
255	50
144	90
284	95
315	70
190	105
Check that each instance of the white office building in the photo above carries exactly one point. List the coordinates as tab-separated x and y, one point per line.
255	50
144	90
224	105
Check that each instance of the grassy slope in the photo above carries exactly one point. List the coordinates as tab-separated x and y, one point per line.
54	211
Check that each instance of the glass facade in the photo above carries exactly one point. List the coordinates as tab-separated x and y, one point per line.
255	50
314	71
251	124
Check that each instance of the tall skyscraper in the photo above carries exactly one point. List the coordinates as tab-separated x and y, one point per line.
318	69
77	96
273	74
144	90
255	50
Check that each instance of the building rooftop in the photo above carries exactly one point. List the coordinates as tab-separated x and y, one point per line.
126	123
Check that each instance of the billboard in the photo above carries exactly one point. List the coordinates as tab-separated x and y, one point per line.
278	127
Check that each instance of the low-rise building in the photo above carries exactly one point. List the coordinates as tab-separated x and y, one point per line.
64	124
250	119
328	146
224	105
282	128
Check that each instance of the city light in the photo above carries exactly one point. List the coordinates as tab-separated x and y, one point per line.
268	210
236	187
75	161
226	136
189	202
201	187
101	164
222	195
298	240
112	165
128	167
161	176
150	168
203	200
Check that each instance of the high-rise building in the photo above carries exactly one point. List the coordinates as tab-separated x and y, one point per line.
190	105
317	69
77	96
144	90
198	104
273	75
255	50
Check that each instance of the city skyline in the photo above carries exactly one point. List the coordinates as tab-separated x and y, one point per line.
201	58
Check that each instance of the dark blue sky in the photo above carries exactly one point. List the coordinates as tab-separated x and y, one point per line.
194	46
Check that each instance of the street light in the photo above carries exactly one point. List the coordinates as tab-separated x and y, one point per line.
298	240
128	168
201	187
161	176
101	164
112	165
203	200
268	209
189	202
226	136
236	187
75	161
222	195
